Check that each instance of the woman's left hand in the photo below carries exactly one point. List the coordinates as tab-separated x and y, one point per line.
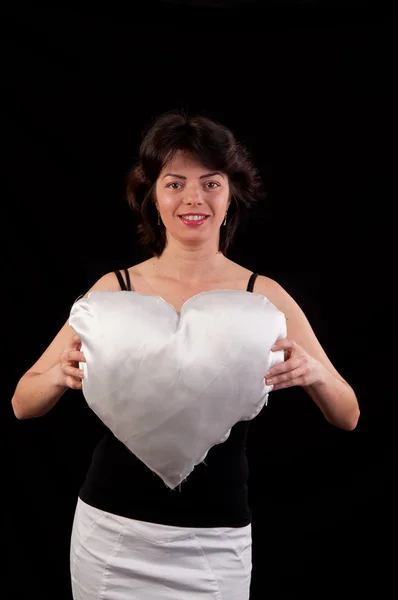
299	367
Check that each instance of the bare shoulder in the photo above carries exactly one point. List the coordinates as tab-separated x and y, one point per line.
266	285
275	293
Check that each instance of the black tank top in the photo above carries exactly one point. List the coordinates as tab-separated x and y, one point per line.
215	494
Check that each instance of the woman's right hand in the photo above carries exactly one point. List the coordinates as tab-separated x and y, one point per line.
71	375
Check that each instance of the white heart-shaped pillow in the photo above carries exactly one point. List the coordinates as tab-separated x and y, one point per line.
171	385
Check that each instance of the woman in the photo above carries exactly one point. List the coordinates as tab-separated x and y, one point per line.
132	536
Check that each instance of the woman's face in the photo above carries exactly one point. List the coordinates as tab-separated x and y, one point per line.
192	200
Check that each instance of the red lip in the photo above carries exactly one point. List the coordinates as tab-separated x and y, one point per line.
193	223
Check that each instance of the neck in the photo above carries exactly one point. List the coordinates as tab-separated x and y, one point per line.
190	265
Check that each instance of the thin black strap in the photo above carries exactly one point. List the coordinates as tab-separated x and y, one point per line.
121	280
128	279
252	279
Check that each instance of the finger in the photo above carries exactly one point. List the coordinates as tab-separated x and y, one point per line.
282	344
286	377
76	340
73	372
74	384
76	356
288	365
287	384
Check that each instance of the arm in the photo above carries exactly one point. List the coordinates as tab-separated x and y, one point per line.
336	399
325	386
37	393
40	388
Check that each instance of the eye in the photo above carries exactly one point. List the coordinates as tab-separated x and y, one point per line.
173	183
215	183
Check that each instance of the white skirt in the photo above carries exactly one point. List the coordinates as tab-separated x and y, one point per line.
116	558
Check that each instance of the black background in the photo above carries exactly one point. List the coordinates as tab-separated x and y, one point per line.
308	86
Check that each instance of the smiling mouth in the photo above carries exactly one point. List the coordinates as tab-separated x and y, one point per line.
193	220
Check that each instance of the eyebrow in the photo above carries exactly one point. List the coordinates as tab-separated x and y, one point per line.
183	176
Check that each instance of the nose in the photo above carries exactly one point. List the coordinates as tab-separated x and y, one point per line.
192	196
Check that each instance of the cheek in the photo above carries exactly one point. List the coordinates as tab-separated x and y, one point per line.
221	200
168	205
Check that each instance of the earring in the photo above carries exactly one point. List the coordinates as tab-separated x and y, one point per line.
158	218
225	220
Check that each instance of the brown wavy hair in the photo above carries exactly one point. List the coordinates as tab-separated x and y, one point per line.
215	147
